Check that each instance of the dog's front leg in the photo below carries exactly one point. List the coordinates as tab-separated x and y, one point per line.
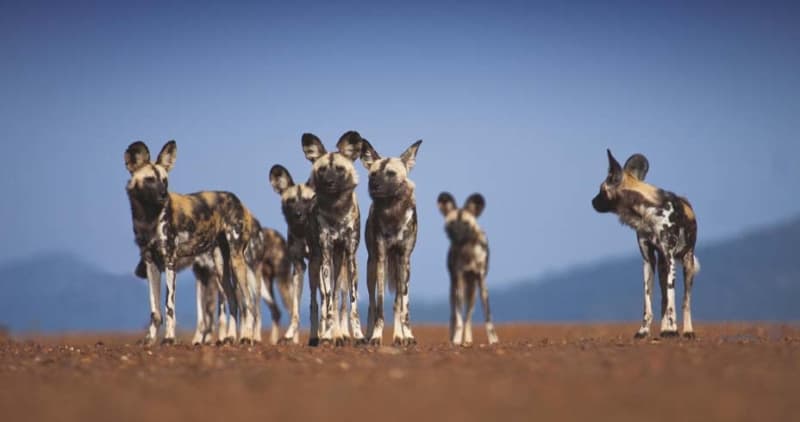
292	332
456	306
169	333
376	273
669	327
491	334
154	287
326	289
403	275
352	270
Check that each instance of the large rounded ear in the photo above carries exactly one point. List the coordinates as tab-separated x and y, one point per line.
167	156
280	179
475	204
368	154
349	145
637	165
614	169
409	157
312	147
446	203
136	156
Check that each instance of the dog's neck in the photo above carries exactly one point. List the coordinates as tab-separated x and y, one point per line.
391	210
146	216
336	206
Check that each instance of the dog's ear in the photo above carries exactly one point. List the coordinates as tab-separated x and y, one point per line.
312	147
614	169
280	179
349	145
368	154
167	156
637	165
409	156
136	156
475	204
446	203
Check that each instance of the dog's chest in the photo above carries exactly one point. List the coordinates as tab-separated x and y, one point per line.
338	231
398	232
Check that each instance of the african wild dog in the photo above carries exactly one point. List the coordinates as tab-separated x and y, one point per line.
276	269
468	263
173	230
296	201
391	234
666	229
333	235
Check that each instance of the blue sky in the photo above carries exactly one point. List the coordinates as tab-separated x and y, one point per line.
516	100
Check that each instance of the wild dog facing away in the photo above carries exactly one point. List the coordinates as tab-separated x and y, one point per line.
173	231
333	236
666	229
296	201
391	234
468	263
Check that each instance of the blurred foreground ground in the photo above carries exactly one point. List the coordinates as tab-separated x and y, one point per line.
538	372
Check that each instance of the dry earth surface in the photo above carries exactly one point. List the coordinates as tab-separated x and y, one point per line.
538	372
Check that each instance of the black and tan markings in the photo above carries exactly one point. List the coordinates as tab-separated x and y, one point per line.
296	202
666	228
173	230
468	264
333	235
391	235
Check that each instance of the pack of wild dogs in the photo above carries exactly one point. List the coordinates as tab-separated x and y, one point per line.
237	263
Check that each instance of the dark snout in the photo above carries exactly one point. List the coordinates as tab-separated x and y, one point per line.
601	203
381	187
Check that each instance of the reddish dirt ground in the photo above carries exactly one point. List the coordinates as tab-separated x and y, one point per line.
538	372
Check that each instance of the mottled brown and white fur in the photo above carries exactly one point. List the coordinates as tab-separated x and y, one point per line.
333	237
391	235
468	263
666	229
173	231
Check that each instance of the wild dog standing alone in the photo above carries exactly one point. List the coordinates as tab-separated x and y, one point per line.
391	234
468	263
666	229
172	230
296	201
333	235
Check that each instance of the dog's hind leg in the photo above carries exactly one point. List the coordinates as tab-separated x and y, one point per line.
690	268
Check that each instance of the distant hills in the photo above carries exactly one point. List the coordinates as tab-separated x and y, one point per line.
754	276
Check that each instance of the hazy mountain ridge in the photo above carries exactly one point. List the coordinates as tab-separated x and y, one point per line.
753	276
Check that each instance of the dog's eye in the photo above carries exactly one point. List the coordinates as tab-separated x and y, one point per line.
339	169
391	173
149	180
